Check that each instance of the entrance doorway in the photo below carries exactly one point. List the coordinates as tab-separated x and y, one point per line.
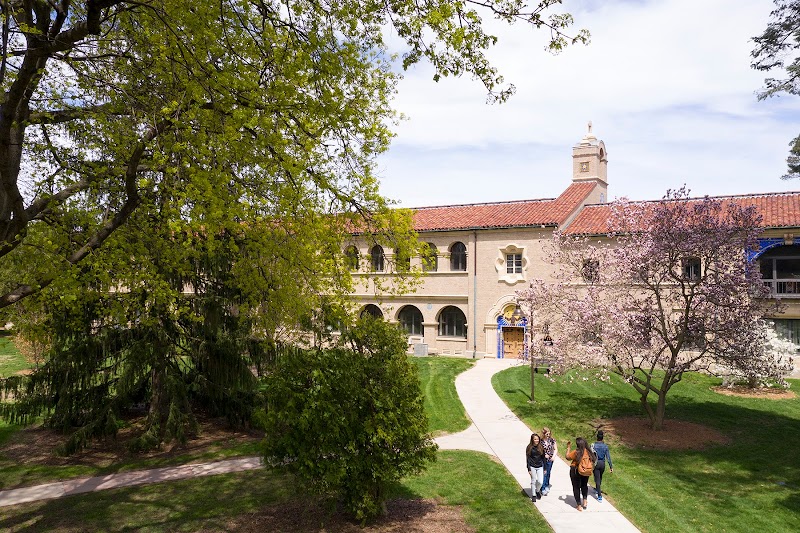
513	342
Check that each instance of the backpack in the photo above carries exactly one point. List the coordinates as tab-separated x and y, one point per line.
586	464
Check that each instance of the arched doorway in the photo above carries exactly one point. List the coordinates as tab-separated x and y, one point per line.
512	333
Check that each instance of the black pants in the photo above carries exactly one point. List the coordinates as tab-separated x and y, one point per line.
599	468
580	485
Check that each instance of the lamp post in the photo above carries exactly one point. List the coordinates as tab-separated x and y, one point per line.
546	341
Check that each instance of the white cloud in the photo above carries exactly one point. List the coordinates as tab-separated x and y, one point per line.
667	84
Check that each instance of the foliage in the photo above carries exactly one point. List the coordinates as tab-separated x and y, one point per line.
349	419
673	292
148	344
218	111
777	50
748	480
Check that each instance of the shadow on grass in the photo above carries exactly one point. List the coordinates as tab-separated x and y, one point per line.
204	503
757	467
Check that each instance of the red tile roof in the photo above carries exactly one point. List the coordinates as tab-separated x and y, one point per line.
778	210
523	213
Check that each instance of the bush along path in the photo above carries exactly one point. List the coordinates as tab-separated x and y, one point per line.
497	430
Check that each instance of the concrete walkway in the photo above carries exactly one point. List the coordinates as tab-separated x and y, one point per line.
126	479
495	431
498	431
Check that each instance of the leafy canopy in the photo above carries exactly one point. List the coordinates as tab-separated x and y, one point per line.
776	50
350	419
214	112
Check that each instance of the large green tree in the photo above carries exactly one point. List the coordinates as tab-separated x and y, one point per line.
776	51
233	110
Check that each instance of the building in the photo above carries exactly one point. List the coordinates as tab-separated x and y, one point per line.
480	254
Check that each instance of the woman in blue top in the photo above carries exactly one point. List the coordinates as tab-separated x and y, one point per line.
603	455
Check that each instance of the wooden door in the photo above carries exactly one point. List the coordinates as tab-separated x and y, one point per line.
513	342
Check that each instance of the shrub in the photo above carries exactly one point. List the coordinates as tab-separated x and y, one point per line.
350	419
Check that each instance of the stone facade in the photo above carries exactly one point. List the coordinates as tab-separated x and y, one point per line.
504	245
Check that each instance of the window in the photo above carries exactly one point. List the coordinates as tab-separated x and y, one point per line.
402	260
371	310
452	323
411	320
642	329
788	329
695	335
590	270
592	335
514	263
377	258
351	258
430	259
690	268
458	257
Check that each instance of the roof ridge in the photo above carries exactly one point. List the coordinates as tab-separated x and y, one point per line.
723	197
502	202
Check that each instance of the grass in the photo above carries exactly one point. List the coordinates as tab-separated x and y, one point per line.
488	495
444	409
14	475
482	488
753	480
11	360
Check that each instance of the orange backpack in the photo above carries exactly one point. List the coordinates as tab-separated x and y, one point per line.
586	464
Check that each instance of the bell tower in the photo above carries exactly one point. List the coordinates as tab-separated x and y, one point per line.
590	162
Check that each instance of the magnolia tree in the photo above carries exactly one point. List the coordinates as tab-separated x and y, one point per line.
666	289
774	359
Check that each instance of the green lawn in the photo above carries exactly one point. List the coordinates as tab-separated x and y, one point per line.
14	475
11	361
488	495
444	409
753	482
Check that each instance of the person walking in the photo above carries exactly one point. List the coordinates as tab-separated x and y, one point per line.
534	455
550	451
603	454
581	467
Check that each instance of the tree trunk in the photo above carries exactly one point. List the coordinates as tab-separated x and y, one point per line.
159	401
661	406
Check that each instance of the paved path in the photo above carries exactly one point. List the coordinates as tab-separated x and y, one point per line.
498	431
125	479
495	430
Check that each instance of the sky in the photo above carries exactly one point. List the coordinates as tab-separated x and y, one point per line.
667	85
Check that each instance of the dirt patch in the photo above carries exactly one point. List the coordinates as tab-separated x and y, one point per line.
675	435
39	445
412	516
764	393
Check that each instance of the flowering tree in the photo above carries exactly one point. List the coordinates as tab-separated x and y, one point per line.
666	289
774	359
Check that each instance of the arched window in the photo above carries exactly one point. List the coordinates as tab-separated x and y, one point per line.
351	258
430	259
452	322
371	310
402	260
411	319
458	256
377	257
